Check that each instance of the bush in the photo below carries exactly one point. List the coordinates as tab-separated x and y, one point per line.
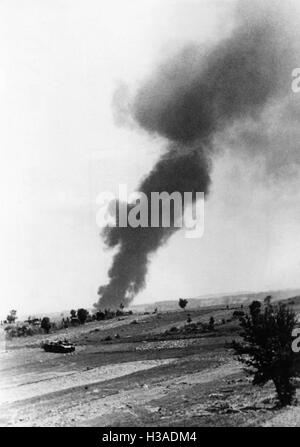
21	330
82	315
109	314
266	349
11	331
11	318
46	324
100	315
182	303
24	330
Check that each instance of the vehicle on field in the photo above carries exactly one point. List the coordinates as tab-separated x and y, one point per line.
58	346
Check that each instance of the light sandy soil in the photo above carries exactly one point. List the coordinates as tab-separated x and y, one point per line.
26	387
289	417
144	377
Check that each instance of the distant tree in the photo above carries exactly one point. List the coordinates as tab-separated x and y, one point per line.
182	303
82	315
100	315
109	314
73	313
266	349
122	306
238	313
12	316
211	324
46	324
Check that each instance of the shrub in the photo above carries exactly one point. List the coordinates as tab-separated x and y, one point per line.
109	314
46	324
82	315
182	303
100	315
266	349
11	318
11	331
21	330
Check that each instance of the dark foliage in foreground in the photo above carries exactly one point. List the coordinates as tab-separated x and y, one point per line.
266	349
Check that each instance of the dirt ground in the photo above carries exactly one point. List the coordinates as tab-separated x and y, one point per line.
141	377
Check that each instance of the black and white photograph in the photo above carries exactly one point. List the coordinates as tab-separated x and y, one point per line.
150	216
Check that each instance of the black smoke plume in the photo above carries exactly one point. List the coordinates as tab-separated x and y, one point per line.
187	101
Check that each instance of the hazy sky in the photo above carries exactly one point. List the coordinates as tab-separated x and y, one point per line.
60	63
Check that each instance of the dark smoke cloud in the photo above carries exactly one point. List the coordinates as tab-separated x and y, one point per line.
273	140
188	101
176	171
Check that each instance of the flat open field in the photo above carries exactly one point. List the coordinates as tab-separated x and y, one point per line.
142	377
